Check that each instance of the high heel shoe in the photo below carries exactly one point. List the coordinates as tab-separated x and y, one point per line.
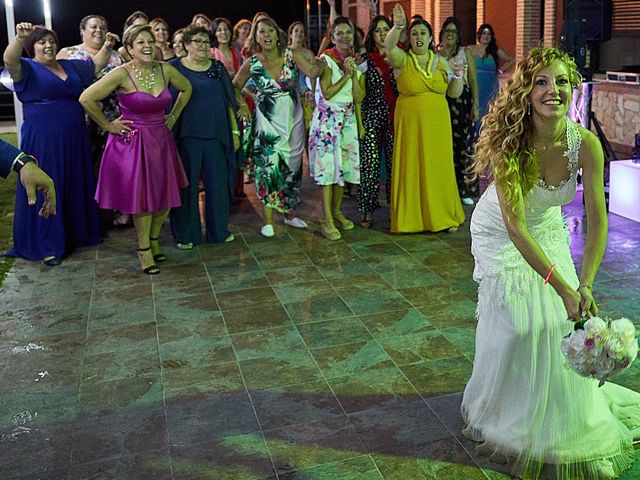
149	269
158	256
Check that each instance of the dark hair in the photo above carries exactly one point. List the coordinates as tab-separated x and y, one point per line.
133	17
423	22
35	36
214	26
85	20
369	43
492	48
417	17
347	21
450	21
191	31
290	31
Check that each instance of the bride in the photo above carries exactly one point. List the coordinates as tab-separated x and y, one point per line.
521	403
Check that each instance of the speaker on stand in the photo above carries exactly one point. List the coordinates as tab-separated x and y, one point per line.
586	24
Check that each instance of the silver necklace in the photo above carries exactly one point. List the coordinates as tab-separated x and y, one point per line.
147	82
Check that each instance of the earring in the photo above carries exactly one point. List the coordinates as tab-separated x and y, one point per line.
528	109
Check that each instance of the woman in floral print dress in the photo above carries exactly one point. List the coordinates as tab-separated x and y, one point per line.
278	127
334	153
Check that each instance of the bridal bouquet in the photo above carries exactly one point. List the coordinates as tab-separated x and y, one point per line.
600	348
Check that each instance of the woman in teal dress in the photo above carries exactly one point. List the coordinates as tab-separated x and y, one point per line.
488	57
278	124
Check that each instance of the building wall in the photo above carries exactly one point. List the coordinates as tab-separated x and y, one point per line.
617	108
502	14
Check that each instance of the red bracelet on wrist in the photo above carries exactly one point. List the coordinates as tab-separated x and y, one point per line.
548	277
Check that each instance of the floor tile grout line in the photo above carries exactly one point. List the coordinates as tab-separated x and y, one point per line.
335	397
237	363
154	285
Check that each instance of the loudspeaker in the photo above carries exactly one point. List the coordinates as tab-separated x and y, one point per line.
594	15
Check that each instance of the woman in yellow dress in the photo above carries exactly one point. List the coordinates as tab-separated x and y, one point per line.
424	193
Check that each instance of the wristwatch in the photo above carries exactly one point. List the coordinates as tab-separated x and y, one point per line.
22	160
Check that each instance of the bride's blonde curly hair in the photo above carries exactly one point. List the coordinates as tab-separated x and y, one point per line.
504	149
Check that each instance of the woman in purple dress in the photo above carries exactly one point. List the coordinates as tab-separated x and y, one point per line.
141	172
54	131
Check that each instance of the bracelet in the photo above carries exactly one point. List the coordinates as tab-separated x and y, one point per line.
548	277
585	285
235	132
399	27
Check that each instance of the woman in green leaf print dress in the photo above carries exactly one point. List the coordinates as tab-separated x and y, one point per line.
278	125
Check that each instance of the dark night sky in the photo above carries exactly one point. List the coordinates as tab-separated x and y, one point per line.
66	14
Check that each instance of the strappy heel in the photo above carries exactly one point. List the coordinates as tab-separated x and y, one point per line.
158	256
150	269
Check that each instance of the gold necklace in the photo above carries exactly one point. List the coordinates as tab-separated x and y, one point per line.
147	82
540	149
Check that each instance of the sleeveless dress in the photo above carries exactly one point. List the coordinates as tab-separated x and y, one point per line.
278	135
334	148
54	132
377	145
141	171
488	86
461	111
521	402
424	194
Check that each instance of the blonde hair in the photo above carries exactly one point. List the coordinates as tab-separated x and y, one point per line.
281	38
132	32
158	21
504	149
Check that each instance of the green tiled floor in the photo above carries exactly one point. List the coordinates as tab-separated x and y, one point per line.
284	358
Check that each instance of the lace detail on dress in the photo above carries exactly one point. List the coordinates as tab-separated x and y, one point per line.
574	140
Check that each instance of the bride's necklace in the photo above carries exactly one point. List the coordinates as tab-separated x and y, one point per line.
148	81
542	148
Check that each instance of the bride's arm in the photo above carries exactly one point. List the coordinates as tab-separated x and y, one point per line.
592	163
514	220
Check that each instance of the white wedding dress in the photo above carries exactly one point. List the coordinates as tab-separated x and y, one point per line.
522	404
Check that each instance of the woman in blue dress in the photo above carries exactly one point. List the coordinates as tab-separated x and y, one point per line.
207	140
488	58
54	131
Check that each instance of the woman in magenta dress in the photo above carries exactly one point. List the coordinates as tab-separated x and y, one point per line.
141	172
54	132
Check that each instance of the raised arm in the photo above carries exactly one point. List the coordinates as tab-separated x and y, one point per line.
307	64
329	89
592	160
395	55
530	249
180	83
456	84
102	57
13	52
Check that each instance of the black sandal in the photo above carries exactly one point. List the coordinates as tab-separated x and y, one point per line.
159	256
151	269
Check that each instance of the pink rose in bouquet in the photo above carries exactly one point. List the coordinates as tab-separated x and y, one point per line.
599	348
